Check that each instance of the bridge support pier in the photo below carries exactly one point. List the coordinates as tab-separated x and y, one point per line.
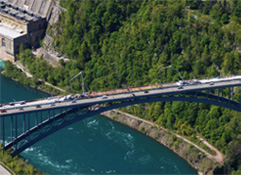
28	122
36	121
220	92
230	94
24	123
16	130
11	127
3	132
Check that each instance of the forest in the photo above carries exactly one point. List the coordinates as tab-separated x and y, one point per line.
125	43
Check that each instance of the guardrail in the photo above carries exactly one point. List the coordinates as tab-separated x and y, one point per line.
128	90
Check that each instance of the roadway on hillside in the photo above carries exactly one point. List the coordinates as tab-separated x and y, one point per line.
3	171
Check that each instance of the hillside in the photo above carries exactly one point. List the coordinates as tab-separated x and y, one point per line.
125	43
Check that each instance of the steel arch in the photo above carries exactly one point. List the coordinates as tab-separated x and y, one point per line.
228	104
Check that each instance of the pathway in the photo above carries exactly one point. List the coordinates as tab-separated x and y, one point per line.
24	69
3	171
218	157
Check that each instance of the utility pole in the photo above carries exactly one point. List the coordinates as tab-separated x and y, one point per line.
167	68
82	82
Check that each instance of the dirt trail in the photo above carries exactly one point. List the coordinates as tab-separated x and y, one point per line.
24	69
218	157
46	83
28	74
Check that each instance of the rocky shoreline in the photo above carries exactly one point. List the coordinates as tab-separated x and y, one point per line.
192	155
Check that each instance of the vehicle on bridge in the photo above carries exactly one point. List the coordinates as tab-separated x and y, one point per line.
11	104
2	111
105	94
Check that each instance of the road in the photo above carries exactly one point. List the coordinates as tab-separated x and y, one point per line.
3	171
118	97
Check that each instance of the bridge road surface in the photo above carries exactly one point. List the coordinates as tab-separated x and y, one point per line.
123	96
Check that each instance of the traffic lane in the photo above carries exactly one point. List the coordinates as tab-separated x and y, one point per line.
117	97
124	96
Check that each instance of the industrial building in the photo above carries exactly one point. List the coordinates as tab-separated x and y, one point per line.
22	22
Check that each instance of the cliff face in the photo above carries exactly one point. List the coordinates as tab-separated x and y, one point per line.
192	155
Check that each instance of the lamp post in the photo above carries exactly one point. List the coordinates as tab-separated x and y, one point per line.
82	82
167	68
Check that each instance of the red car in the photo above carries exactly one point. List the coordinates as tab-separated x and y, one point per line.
24	102
2	111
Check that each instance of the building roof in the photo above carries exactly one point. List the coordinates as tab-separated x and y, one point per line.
18	13
32	7
10	33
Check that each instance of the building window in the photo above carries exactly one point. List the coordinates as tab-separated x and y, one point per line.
3	42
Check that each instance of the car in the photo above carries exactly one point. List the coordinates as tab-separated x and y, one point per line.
24	102
69	97
20	108
180	87
57	100
196	82
0	105
146	91
11	104
52	104
2	111
76	96
104	97
73	101
211	83
38	106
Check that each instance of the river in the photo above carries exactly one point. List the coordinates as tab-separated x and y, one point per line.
95	146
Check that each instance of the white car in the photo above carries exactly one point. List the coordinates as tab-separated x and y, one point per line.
104	97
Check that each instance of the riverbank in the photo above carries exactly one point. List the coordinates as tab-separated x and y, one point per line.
197	157
41	87
33	87
16	165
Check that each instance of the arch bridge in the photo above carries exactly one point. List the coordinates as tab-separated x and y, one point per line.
21	128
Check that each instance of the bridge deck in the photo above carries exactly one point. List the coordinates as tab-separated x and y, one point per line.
125	96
